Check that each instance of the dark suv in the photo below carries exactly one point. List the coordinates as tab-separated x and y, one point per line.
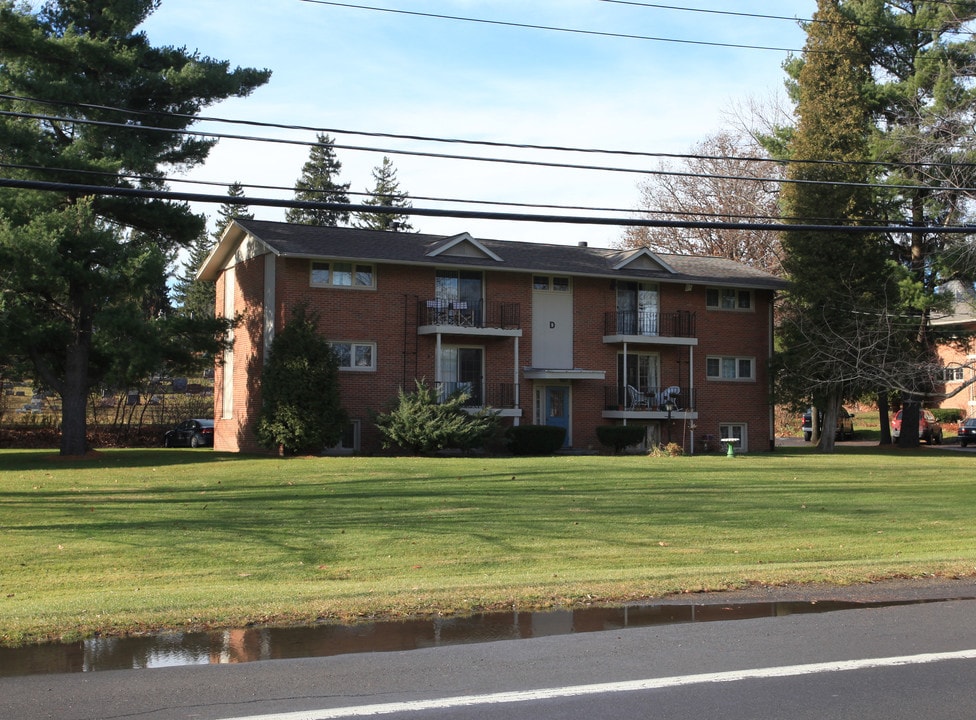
845	424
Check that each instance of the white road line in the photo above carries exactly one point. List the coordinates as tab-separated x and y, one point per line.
617	687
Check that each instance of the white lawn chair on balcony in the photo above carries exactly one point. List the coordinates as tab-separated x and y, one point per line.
669	394
437	312
637	399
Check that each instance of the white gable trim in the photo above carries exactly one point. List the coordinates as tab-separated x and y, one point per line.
639	260
456	243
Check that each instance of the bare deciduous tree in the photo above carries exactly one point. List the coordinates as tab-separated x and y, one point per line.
725	179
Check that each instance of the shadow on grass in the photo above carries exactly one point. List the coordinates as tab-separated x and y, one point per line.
123	458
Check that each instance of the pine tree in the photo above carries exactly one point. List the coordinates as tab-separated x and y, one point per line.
84	270
385	193
197	298
292	418
837	277
319	183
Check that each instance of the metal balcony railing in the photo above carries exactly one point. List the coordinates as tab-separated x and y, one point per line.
481	314
680	323
500	396
648	399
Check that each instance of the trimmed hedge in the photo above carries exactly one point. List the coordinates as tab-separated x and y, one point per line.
535	439
948	415
620	436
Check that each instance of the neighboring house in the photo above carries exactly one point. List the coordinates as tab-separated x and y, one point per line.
564	335
958	361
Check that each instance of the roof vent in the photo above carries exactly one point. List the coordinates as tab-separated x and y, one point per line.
582	243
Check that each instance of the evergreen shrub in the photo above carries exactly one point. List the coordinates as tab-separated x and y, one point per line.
536	439
619	437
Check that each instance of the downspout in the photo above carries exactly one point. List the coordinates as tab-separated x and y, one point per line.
769	378
691	391
518	389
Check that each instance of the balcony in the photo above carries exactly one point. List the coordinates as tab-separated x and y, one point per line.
469	318
496	396
648	403
672	328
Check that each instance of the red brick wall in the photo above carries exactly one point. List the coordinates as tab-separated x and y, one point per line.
386	316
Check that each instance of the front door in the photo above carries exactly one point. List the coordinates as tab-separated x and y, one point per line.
557	408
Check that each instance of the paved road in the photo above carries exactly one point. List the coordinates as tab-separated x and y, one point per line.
658	672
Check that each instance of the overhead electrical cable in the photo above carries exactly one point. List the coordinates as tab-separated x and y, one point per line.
471	158
470	214
464	141
553	28
407	196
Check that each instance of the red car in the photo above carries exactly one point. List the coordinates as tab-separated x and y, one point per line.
929	429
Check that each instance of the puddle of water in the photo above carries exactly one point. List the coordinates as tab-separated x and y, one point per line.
275	643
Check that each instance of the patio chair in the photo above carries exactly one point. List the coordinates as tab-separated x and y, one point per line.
669	393
636	399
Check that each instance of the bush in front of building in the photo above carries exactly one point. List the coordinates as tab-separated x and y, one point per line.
536	439
619	437
423	422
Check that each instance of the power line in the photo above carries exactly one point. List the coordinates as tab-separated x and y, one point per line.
475	158
474	215
551	28
457	141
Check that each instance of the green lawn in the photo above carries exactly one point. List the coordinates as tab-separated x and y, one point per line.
146	539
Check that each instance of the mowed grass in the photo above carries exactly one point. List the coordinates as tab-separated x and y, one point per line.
137	540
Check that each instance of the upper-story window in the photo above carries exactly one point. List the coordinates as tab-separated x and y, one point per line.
547	283
730	368
728	299
342	274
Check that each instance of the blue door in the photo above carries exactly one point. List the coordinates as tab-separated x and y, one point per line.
557	408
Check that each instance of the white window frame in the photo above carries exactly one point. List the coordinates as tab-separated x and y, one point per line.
353	367
738	430
553	283
736	361
955	374
354	270
729	299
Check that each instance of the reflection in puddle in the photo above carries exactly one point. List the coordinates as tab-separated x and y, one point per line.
275	643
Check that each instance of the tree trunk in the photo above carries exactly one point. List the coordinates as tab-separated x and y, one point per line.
911	408
883	418
74	397
828	434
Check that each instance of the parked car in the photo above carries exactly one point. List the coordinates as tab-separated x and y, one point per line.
967	431
845	424
196	432
929	429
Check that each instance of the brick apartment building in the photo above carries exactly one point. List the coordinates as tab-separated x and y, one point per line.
564	335
960	375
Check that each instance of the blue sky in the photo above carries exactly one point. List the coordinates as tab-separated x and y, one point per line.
355	69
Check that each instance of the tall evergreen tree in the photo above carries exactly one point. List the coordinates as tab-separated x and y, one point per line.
82	272
319	183
292	418
385	193
836	276
197	298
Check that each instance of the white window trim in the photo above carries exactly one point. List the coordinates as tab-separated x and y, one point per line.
721	290
743	445
737	358
352	354
551	285
331	264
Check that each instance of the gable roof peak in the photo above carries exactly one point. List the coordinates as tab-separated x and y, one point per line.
463	245
642	259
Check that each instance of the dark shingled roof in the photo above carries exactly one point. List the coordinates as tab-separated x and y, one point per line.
312	241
